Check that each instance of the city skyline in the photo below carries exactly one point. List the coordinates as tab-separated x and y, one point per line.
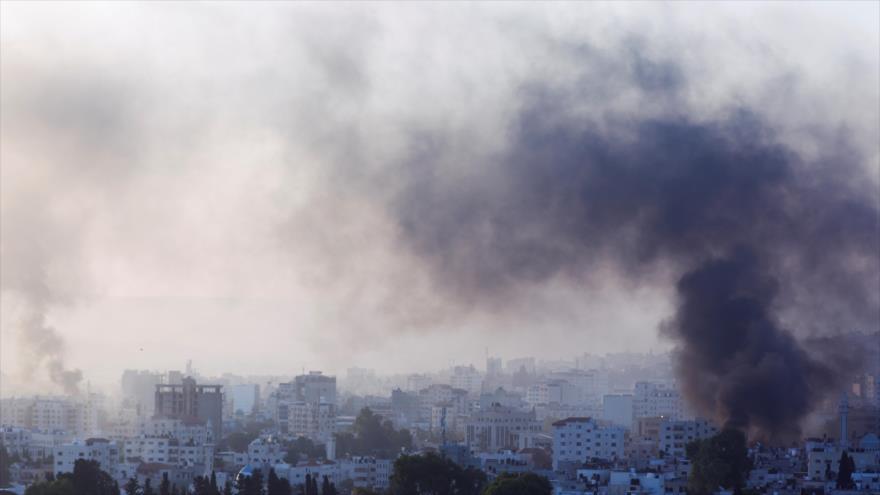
301	186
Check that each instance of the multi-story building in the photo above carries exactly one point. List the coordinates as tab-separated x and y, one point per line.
105	452
499	427
367	472
314	387
15	439
658	400
245	398
578	440
503	397
675	435
79	417
404	408
264	453
618	409
189	401
139	387
553	392
590	384
169	451
466	378
313	420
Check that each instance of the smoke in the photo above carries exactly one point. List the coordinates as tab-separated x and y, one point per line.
379	178
761	238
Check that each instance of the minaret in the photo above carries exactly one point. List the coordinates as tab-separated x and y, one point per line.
843	408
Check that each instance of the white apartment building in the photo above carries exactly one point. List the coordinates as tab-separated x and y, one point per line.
15	439
618	409
297	474
553	392
466	378
652	400
367	472
577	440
105	452
591	384
316	421
675	435
499	427
170	451
265	452
77	417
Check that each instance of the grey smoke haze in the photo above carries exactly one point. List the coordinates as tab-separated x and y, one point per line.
756	231
377	179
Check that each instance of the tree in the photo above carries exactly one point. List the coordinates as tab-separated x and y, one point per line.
132	487
88	479
845	469
5	462
302	447
307	488
165	485
251	485
372	436
214	489
718	462
519	484
63	486
325	486
276	485
227	488
148	488
434	475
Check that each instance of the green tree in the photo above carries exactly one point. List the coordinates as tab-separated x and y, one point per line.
214	489
227	488
148	487
434	475
132	487
845	469
372	436
717	462
519	484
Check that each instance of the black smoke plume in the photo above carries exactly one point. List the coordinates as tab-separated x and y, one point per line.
767	242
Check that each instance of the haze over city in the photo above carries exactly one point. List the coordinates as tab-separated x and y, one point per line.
673	195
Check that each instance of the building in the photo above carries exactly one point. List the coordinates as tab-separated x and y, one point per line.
579	440
245	398
105	452
618	409
499	427
313	420
675	435
367	472
314	387
553	392
264	453
139	387
658	400
466	378
404	408
189	401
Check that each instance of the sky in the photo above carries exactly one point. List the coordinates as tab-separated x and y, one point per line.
233	183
